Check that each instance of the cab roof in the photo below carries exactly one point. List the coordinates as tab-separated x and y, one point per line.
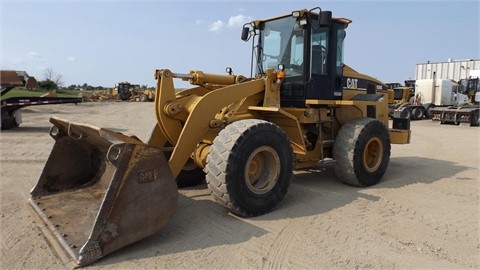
344	21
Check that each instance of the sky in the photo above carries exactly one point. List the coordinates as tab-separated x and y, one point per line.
105	42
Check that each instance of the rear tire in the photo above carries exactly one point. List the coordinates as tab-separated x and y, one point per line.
362	152
250	167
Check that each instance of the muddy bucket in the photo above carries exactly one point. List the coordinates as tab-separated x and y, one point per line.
100	191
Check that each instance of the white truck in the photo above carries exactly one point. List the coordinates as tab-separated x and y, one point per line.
430	94
468	110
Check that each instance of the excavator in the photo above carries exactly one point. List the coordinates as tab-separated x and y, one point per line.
101	190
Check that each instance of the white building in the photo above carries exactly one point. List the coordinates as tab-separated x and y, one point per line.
450	70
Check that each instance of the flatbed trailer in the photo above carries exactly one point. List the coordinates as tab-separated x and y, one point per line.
11	116
467	114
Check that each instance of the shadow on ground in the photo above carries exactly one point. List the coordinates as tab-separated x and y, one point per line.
201	223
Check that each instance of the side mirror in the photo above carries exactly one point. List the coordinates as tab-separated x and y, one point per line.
245	33
325	18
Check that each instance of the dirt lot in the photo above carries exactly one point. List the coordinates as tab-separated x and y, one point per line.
424	214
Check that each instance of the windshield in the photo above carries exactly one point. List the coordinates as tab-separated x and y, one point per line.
397	93
281	42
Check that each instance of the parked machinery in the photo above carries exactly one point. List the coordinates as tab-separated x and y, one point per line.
133	92
417	101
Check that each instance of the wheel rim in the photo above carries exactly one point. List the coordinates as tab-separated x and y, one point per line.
373	154
262	170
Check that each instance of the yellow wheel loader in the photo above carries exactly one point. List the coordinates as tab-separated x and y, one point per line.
101	190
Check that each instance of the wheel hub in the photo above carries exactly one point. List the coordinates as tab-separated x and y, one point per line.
373	154
262	170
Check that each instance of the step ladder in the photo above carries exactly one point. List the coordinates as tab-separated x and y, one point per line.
327	123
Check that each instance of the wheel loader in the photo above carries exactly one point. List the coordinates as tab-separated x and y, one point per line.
101	190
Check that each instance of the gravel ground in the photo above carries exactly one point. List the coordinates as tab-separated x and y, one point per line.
424	213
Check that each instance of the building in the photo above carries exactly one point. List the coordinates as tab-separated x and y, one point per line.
12	78
9	79
31	83
450	70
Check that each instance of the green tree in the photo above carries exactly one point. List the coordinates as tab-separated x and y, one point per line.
48	85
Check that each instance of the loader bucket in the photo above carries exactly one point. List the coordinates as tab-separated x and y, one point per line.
100	191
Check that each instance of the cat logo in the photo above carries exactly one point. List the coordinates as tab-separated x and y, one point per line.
352	83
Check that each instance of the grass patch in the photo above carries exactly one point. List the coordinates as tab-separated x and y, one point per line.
23	92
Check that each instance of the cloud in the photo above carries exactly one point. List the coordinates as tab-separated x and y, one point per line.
233	22
19	62
216	26
238	20
71	58
34	60
33	55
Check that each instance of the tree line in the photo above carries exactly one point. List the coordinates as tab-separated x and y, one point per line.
54	81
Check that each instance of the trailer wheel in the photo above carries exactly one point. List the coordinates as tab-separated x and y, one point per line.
362	152
10	120
475	119
417	113
249	167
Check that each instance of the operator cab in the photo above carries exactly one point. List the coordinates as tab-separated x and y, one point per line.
471	88
308	46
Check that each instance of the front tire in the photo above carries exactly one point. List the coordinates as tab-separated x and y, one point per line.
250	167
406	113
362	152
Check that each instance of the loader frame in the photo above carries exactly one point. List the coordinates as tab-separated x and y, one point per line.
246	134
